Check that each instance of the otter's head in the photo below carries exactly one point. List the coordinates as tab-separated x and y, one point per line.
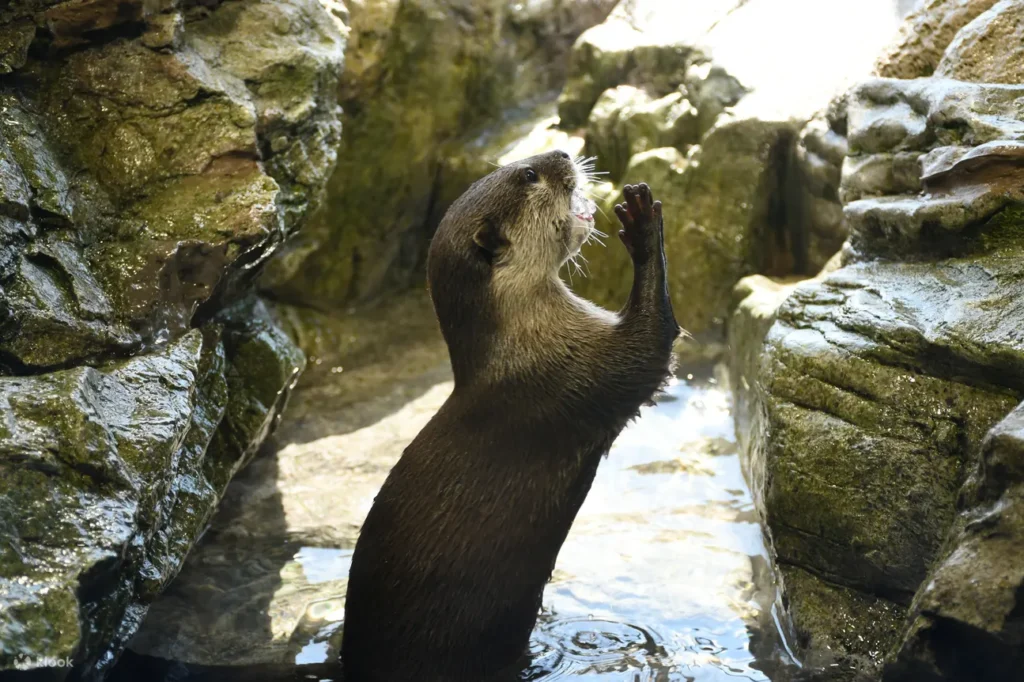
506	237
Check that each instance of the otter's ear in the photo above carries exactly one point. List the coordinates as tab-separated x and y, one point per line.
489	241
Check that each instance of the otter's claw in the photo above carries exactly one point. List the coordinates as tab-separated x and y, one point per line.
641	220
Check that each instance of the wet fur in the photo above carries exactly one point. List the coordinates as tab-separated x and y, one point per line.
450	567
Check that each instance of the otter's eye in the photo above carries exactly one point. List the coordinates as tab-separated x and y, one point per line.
530	175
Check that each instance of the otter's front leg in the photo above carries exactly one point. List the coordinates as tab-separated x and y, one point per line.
647	327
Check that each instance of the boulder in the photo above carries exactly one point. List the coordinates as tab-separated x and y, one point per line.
867	406
925	35
151	161
429	76
990	49
266	586
965	622
85	458
626	121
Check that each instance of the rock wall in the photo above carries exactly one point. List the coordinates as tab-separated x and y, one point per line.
670	93
428	75
153	156
867	396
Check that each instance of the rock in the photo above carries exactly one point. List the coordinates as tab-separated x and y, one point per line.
15	39
266	585
924	36
856	363
142	451
85	458
436	72
990	49
159	220
866	408
626	121
263	366
756	299
814	212
151	161
961	140
651	44
965	622
722	220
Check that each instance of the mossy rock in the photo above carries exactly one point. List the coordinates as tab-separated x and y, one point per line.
865	412
721	220
435	78
972	595
145	178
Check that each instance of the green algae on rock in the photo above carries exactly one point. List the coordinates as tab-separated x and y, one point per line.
85	456
867	406
152	158
865	410
972	596
436	73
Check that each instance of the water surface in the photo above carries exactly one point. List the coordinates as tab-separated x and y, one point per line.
664	577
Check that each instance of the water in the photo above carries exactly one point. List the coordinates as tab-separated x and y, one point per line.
665	576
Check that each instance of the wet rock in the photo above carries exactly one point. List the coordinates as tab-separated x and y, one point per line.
263	366
85	456
925	35
961	140
428	77
267	583
185	163
756	299
15	40
866	408
966	622
990	49
152	156
142	451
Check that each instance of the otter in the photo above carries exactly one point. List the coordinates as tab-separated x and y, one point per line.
450	566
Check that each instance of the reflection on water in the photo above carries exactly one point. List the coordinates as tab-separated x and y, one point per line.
664	577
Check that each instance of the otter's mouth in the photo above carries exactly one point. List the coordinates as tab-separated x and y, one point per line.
582	207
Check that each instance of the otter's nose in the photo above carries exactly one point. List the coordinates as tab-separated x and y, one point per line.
564	155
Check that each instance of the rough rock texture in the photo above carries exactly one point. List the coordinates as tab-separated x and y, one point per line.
720	202
967	621
990	49
153	155
636	46
867	406
924	37
814	212
268	580
691	98
428	75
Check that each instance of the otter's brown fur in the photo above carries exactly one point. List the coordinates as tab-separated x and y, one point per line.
449	570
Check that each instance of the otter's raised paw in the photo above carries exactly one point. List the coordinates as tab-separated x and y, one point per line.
641	221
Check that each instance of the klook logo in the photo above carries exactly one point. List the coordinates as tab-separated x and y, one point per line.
33	663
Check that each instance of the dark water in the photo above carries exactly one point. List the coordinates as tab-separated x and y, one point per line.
665	576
